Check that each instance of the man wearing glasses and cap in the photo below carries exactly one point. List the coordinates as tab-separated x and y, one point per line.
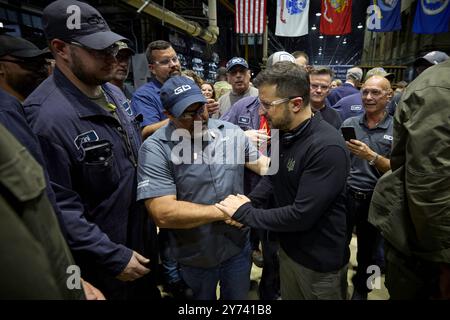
238	74
180	185
90	147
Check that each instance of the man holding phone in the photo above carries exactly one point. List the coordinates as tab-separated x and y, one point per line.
370	144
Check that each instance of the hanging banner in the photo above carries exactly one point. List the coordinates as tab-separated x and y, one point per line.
432	16
292	18
336	18
250	16
384	15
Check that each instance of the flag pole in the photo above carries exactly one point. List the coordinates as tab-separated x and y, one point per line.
265	42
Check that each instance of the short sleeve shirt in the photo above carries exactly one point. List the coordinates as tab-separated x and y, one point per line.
199	172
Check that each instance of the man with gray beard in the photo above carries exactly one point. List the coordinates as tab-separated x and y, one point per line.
90	148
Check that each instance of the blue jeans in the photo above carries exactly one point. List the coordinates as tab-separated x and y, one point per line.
233	274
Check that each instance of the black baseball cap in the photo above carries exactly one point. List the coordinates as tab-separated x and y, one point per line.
60	20
19	47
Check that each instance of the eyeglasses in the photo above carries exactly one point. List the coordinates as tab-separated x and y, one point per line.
267	105
112	50
373	92
188	115
317	86
31	64
167	61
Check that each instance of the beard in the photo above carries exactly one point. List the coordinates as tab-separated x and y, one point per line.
78	68
283	122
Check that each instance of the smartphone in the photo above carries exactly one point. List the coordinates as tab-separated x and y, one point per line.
95	151
348	133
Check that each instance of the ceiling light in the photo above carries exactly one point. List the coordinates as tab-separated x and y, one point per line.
318	14
345	41
360	25
320	37
313	27
320	53
337	37
315	61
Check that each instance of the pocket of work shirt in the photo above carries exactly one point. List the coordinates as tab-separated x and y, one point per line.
100	179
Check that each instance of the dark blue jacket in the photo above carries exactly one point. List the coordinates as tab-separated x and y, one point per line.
12	117
338	93
97	200
350	106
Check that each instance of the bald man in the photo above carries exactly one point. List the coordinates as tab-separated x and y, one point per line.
370	153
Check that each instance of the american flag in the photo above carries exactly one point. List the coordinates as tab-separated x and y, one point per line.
250	16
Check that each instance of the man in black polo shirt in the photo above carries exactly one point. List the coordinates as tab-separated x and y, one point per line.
370	153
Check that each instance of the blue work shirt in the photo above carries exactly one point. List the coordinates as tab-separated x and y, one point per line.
363	177
161	172
338	93
96	199
245	114
350	106
146	101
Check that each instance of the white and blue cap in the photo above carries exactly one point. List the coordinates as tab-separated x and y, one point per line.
278	57
236	61
178	93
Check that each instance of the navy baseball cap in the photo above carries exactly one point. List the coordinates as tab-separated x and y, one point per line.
19	47
178	93
236	61
60	20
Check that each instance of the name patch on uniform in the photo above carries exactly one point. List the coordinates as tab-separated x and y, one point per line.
127	107
244	120
356	107
387	137
85	137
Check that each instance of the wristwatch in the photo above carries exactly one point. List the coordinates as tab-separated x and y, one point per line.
372	162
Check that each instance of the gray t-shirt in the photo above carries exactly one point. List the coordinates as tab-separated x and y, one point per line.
363	176
203	173
230	98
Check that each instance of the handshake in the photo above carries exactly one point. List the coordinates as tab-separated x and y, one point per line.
229	206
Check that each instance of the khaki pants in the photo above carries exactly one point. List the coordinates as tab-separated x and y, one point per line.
300	283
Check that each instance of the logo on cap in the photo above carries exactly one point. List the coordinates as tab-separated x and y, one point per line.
182	89
74	20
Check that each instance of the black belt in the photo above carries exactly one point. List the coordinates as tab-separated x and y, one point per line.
360	195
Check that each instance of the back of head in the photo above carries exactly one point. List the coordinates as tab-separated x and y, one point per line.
290	79
278	57
70	20
354	74
156	45
221	74
379	71
301	54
